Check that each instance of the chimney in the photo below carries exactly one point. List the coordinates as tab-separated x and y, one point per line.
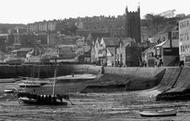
170	38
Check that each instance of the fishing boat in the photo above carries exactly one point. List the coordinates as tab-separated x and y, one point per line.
159	113
36	99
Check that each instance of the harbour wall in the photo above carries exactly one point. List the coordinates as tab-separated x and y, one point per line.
109	79
45	71
126	79
164	79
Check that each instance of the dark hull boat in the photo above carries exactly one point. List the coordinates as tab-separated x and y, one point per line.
35	99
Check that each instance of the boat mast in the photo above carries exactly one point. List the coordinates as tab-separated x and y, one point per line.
55	73
39	71
55	77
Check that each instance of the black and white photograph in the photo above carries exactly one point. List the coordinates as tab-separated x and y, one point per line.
94	60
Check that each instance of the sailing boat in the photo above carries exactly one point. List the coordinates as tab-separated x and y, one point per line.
36	99
42	99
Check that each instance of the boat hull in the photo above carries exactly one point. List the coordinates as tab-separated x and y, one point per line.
42	103
39	100
29	85
8	91
158	113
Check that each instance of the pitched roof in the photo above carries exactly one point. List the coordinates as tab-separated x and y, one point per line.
166	43
68	40
111	50
161	44
127	41
22	49
67	53
175	43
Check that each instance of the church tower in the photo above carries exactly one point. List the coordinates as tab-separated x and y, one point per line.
133	24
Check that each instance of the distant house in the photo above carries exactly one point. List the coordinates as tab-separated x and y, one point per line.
128	53
103	51
115	52
83	50
66	51
148	57
3	41
67	47
166	51
74	47
67	40
21	52
85	58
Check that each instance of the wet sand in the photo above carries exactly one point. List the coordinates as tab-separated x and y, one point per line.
119	106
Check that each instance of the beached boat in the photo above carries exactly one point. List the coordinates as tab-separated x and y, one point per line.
159	113
74	77
9	91
33	83
29	84
35	99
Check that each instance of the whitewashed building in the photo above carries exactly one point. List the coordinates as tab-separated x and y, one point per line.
184	40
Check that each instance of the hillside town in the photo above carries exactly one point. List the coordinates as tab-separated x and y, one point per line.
132	65
125	40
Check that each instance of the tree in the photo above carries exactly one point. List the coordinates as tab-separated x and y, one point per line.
4	30
149	16
73	28
155	23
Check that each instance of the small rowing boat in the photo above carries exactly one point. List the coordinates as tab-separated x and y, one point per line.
8	91
29	85
159	113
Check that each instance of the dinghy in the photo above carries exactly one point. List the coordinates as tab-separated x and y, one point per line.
8	91
159	113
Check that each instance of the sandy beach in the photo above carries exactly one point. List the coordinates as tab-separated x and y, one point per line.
119	106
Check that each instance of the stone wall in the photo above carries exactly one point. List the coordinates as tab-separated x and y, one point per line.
13	71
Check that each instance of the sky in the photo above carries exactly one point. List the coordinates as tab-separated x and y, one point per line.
29	11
